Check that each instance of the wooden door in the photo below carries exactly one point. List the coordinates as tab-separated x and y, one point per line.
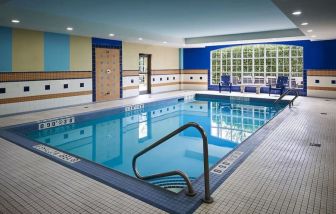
107	74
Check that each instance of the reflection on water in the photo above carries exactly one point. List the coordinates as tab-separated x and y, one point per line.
113	140
236	122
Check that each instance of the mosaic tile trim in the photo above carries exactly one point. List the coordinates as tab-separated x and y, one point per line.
56	122
55	153
224	164
240	98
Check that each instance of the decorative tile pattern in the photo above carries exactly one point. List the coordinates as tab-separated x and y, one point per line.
57	154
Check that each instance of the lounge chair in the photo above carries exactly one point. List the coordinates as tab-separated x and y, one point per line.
225	82
281	84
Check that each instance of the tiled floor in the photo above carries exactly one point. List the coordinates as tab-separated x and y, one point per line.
283	175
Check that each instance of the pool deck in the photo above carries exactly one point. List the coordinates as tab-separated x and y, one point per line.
283	175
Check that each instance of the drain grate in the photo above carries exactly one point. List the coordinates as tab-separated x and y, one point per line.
323	113
315	144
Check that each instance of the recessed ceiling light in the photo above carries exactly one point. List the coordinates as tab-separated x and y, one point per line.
309	31
69	28
297	13
164	42
313	36
111	34
15	21
304	23
140	38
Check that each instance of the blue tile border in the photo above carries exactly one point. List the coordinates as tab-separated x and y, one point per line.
156	196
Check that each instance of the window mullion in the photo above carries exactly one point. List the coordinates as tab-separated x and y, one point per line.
242	63
265	75
253	81
231	63
276	62
290	66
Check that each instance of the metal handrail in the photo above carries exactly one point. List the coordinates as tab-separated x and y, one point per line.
286	93
207	198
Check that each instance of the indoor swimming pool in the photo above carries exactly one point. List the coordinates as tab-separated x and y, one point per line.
105	141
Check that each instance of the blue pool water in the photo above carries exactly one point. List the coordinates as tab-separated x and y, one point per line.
113	140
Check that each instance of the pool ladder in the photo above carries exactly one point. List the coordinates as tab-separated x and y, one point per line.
291	103
190	190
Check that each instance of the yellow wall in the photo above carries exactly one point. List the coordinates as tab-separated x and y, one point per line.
162	57
27	50
80	53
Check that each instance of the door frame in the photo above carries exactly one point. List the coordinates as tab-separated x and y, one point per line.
149	71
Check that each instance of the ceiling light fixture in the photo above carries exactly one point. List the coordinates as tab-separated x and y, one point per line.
15	21
309	31
297	13
304	23
69	28
140	38
111	34
164	42
313	36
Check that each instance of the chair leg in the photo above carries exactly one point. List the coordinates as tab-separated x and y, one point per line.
219	88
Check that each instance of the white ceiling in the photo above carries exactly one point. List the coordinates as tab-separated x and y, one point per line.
176	21
320	14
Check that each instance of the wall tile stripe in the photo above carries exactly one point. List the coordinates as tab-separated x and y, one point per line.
165	72
35	76
320	88
165	84
43	97
194	71
128	73
130	87
195	83
56	52
321	73
5	49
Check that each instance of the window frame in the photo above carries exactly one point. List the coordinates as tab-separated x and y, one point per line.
274	53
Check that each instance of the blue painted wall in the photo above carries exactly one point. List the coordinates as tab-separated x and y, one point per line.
56	52
5	49
317	55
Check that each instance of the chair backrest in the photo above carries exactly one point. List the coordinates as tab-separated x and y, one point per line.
247	80
282	81
225	79
235	80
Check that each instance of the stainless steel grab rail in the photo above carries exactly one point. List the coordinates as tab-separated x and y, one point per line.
191	192
286	93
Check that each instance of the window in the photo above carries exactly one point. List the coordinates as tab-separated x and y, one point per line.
26	88
66	86
81	85
2	90
258	64
47	87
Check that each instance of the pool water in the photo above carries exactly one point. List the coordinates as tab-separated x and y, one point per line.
113	140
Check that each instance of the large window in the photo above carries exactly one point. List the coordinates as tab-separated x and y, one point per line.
258	64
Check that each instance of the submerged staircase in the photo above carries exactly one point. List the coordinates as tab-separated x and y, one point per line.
172	183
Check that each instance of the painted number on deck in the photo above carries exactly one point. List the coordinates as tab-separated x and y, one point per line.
56	122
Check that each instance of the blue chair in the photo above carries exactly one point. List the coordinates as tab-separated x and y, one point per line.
225	82
281	84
